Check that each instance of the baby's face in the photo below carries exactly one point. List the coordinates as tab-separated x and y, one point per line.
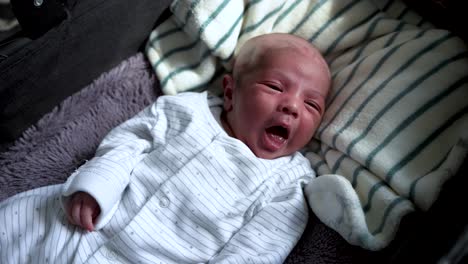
277	106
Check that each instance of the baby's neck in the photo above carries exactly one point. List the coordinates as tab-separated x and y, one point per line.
225	124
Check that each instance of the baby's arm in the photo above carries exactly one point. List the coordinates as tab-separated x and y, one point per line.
271	234
83	210
106	176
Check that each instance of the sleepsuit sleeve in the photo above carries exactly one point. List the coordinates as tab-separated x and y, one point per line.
271	233
106	175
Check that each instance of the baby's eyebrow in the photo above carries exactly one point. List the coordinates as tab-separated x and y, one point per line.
315	95
280	75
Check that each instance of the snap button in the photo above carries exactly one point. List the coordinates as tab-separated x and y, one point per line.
38	2
111	255
164	202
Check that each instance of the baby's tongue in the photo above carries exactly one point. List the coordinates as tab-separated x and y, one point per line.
275	137
278	132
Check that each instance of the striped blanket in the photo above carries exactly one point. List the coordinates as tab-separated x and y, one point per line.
396	120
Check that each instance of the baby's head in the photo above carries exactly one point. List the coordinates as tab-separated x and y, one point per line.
274	99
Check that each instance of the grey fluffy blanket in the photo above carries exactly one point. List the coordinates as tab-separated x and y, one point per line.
61	140
64	138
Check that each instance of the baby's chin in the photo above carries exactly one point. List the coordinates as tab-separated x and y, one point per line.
271	155
265	149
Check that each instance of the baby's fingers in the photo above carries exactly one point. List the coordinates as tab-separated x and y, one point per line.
83	210
69	217
76	212
87	217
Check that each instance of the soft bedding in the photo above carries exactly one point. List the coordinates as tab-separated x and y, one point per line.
394	131
48	152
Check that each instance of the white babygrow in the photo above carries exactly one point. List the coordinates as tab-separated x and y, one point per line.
173	187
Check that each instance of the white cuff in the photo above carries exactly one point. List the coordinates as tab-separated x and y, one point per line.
105	186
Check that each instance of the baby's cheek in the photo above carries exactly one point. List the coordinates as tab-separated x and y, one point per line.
311	122
306	132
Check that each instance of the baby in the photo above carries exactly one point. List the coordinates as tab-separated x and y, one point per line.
192	178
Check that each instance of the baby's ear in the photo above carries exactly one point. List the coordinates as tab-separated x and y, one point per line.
228	88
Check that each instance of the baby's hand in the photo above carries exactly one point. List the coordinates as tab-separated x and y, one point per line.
83	210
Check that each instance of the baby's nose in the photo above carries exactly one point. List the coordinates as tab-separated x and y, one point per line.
290	107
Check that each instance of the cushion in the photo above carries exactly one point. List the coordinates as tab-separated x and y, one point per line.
393	131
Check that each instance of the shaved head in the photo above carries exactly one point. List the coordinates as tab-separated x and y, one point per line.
254	51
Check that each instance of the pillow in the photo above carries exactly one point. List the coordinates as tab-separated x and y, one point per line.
393	131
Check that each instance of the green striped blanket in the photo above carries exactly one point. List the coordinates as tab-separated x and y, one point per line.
396	120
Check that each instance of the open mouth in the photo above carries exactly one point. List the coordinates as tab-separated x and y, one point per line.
279	132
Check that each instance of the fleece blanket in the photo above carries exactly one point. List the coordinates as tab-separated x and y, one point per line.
48	152
63	139
395	126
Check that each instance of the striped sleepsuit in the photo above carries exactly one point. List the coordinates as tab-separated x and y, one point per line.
173	187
